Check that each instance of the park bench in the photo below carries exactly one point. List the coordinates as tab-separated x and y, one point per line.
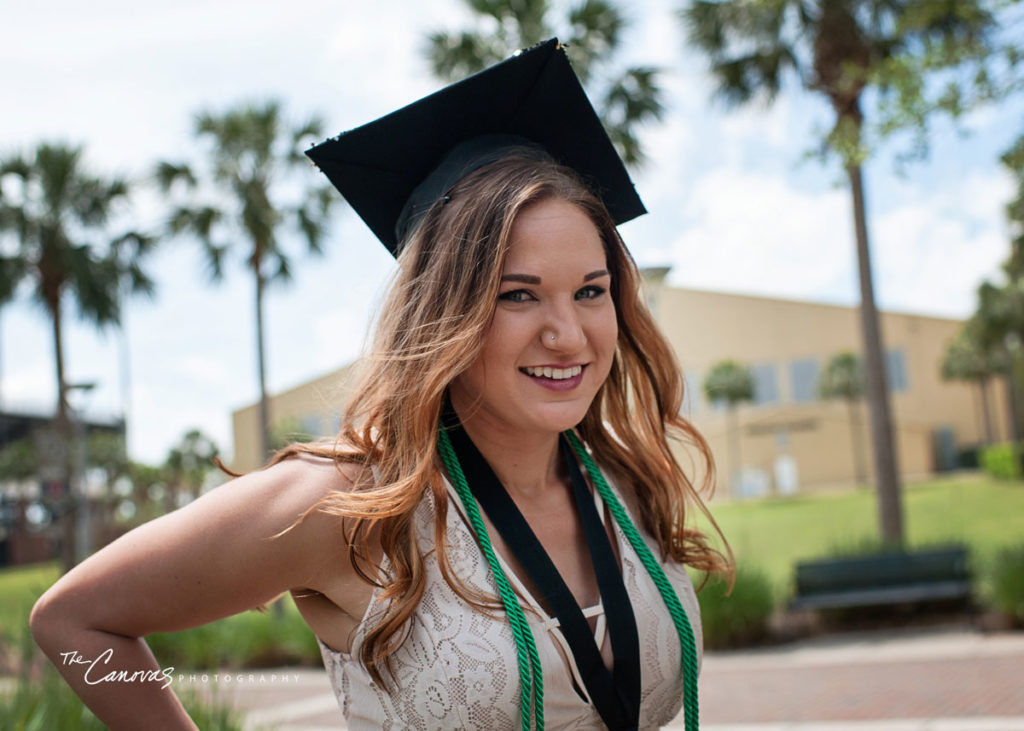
882	579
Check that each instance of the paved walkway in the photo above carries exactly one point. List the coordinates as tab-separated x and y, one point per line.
951	680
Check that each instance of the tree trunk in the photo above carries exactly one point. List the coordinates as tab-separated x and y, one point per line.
125	364
1013	412
859	470
68	502
890	508
986	412
264	441
736	463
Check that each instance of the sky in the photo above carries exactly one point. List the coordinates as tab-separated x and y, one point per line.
735	205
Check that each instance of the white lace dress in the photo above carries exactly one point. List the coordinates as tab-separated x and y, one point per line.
457	667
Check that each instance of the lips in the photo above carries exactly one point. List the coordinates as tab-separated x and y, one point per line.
554	378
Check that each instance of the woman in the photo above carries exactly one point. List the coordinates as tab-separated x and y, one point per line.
513	335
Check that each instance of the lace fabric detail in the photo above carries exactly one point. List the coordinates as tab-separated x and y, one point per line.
456	668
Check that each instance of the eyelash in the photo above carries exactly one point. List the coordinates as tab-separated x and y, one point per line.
515	295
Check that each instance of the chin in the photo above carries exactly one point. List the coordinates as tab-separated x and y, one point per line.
559	418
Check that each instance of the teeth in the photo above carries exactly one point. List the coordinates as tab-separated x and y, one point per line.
556	374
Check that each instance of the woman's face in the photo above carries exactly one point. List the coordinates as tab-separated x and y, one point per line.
551	341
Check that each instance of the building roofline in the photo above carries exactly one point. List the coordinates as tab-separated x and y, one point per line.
816	303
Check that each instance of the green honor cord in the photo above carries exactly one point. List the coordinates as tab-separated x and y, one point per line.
530	676
657	574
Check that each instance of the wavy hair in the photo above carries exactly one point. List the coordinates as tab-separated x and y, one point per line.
430	328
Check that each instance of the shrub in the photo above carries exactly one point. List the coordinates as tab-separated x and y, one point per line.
1008	583
250	639
1003	460
739	617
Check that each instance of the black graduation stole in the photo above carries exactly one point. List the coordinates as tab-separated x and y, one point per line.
615	694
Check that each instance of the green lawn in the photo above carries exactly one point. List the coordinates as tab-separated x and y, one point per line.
774	533
19	588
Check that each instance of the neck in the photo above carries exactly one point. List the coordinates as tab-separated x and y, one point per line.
526	463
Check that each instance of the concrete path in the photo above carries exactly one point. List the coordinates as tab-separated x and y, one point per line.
946	680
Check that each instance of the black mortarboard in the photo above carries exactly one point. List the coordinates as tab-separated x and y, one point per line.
405	161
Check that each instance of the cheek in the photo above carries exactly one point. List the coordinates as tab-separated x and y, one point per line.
607	330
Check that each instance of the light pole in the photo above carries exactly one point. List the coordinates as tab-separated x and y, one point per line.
79	500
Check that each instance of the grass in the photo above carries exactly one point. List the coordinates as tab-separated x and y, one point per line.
20	586
774	533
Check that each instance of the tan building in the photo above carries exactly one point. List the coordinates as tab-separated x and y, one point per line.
789	438
309	409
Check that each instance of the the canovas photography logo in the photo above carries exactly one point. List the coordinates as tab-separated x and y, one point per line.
97	671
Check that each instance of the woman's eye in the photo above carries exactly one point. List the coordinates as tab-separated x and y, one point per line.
515	295
590	292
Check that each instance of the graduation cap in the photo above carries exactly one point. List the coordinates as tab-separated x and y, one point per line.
393	169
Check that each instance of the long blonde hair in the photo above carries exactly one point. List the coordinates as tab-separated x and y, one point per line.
431	328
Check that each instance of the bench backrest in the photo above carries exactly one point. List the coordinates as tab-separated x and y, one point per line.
882	570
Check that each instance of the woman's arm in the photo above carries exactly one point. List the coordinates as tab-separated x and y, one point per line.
213	558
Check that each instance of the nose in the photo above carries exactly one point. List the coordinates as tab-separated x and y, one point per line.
563	331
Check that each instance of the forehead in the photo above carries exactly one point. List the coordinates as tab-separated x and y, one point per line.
556	233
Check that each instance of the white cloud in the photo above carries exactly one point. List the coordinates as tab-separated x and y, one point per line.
200	367
151	438
337	338
32	385
934	251
756	233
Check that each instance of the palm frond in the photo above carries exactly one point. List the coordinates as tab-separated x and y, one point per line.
595	30
167	174
454	56
95	282
13	270
214	254
634	97
197	221
283	271
17	165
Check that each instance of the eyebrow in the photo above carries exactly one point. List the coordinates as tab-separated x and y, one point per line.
531	279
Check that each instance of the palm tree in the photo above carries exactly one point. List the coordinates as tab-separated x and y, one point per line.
54	210
844	378
998	328
966	360
730	382
250	151
840	48
592	31
1013	160
188	463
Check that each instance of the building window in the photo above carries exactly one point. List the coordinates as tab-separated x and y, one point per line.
766	386
803	379
896	369
311	425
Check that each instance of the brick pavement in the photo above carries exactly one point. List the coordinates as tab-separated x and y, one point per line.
868	677
950	680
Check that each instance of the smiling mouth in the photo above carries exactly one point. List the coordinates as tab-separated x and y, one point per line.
555	374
